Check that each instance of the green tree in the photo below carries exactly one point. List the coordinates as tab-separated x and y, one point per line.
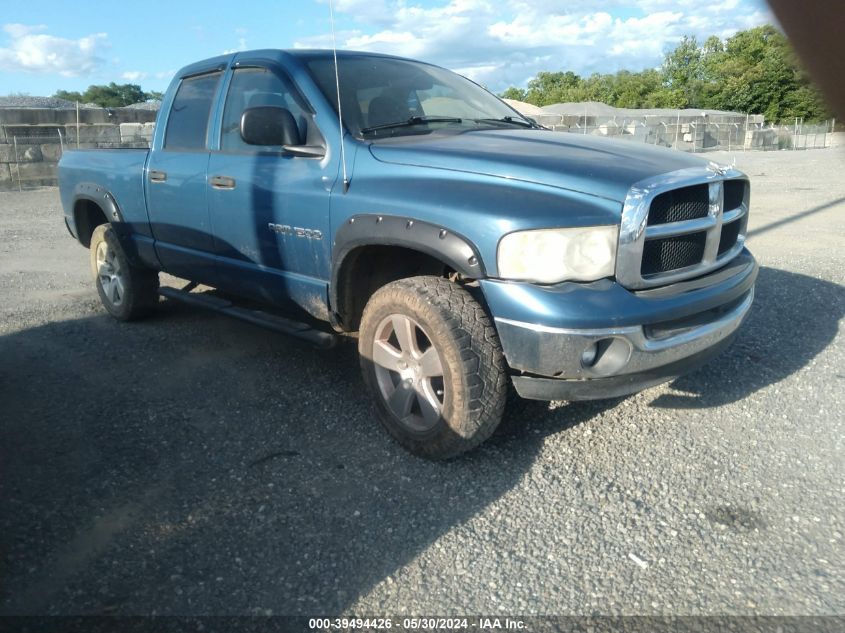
757	71
517	94
547	88
753	71
683	72
69	96
114	95
111	95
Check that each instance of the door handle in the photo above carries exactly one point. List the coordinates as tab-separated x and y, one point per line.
222	182
158	176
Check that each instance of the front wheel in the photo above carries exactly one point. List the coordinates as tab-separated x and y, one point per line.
126	291
432	362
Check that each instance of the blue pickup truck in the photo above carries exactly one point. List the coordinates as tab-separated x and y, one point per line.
469	248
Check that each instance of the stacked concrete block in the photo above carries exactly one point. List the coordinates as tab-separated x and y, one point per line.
92	134
636	131
43	133
22	154
548	120
6	182
761	139
51	152
136	132
36	174
611	128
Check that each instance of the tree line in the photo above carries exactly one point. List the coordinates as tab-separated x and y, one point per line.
754	71
110	96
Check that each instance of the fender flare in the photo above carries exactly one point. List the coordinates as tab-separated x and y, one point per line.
370	229
101	196
105	200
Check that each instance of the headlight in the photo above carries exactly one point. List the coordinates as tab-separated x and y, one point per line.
552	255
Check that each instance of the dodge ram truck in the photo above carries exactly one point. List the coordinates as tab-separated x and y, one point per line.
468	248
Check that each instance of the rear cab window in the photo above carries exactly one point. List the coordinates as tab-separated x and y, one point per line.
187	123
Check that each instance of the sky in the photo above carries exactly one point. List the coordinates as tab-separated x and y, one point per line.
47	45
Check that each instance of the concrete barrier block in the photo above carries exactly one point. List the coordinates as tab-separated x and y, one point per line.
29	154
93	134
639	132
25	153
548	120
759	139
6	181
130	131
37	173
51	152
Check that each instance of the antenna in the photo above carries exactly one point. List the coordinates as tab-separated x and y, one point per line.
339	109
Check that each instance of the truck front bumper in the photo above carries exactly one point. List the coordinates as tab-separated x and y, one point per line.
588	341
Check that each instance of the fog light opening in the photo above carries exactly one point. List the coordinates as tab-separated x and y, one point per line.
588	358
606	356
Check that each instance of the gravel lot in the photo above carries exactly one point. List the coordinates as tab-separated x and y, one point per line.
191	464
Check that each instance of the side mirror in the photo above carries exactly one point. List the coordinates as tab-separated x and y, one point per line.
269	125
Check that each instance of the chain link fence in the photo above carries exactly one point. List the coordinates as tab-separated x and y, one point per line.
699	135
29	158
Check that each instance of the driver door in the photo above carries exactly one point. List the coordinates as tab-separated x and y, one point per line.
270	210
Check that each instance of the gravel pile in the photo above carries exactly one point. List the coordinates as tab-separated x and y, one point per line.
595	108
26	101
527	109
35	102
145	105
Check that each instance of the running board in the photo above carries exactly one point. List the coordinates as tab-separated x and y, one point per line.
256	317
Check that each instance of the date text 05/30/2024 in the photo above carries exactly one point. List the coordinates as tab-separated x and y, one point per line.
412	624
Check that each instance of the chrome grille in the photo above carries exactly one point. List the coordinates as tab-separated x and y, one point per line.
681	225
680	205
672	253
730	233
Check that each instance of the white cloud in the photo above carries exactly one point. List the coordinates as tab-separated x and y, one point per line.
134	75
507	42
241	47
17	31
29	49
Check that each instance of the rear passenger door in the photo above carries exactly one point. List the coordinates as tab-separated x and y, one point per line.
176	182
270	209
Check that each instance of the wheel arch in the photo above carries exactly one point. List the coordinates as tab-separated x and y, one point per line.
373	250
93	205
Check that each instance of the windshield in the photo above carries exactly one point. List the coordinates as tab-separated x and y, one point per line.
378	92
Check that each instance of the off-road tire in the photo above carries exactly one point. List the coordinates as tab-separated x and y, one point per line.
474	374
137	293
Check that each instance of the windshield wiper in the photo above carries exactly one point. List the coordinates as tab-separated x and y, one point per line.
508	120
414	120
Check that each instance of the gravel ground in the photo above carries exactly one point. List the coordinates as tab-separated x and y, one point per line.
191	464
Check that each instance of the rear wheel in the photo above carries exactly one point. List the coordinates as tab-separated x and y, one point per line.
126	291
432	362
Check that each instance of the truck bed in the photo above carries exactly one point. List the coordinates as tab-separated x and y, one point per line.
120	171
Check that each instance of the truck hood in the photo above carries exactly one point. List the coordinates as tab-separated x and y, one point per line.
587	164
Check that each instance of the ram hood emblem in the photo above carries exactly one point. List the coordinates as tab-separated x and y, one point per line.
716	168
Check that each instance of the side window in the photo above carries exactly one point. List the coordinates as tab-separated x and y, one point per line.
187	123
252	87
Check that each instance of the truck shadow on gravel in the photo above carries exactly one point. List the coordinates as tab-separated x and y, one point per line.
190	464
794	317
